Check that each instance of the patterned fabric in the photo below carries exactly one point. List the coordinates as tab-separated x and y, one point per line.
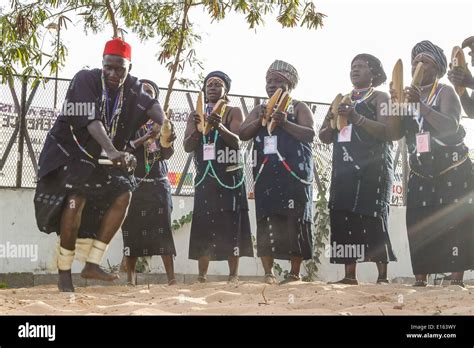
283	237
147	229
363	238
286	71
433	51
283	204
362	171
220	227
440	200
426	185
222	76
277	192
441	238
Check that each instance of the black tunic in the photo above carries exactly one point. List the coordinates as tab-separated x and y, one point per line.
440	210
283	203
361	180
220	227
64	168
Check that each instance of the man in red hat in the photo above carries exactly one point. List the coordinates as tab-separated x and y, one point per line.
463	78
103	110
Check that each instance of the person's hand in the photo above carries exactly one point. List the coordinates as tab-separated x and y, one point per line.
347	111
412	95
214	120
196	117
460	77
172	136
120	159
130	161
153	133
280	118
394	95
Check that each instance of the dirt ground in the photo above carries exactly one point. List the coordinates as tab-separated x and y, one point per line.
246	298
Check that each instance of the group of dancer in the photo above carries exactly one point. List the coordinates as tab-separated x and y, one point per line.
87	202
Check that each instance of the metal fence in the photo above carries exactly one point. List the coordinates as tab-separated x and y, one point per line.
27	113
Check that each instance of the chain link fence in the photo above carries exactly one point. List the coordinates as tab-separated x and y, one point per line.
27	113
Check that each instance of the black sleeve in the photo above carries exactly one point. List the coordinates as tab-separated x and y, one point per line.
82	104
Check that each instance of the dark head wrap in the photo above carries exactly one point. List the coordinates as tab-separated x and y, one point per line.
434	52
223	76
469	42
153	85
286	71
375	66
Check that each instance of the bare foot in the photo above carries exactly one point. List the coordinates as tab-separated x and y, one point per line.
132	278
65	281
93	271
172	282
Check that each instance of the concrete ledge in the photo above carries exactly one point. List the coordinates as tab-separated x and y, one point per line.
27	280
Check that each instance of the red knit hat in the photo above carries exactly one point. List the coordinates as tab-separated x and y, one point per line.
118	47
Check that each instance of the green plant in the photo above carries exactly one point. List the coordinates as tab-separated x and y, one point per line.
321	232
183	220
142	265
3	285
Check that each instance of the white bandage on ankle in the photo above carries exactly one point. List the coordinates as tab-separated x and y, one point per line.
65	259
97	252
83	247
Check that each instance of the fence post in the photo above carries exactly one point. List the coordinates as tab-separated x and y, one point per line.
21	135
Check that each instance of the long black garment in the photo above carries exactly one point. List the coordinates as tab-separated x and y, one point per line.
220	227
283	204
440	210
361	181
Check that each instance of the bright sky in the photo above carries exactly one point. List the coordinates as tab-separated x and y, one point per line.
386	29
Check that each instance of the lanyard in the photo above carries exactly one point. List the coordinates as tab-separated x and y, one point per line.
110	119
428	101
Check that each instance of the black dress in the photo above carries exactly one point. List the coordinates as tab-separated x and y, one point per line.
220	227
361	180
283	204
147	228
440	209
64	168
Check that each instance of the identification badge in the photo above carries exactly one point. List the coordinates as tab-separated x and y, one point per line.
209	152
152	147
345	134
270	145
423	142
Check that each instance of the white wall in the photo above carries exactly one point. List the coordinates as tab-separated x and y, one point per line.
18	226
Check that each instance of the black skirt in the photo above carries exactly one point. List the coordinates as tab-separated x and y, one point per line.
221	235
147	228
102	185
359	238
441	238
283	237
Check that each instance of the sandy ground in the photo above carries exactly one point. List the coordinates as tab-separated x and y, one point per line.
247	298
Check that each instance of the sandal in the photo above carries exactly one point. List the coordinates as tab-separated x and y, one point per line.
270	279
458	282
233	280
420	284
172	282
383	281
202	279
346	281
289	278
